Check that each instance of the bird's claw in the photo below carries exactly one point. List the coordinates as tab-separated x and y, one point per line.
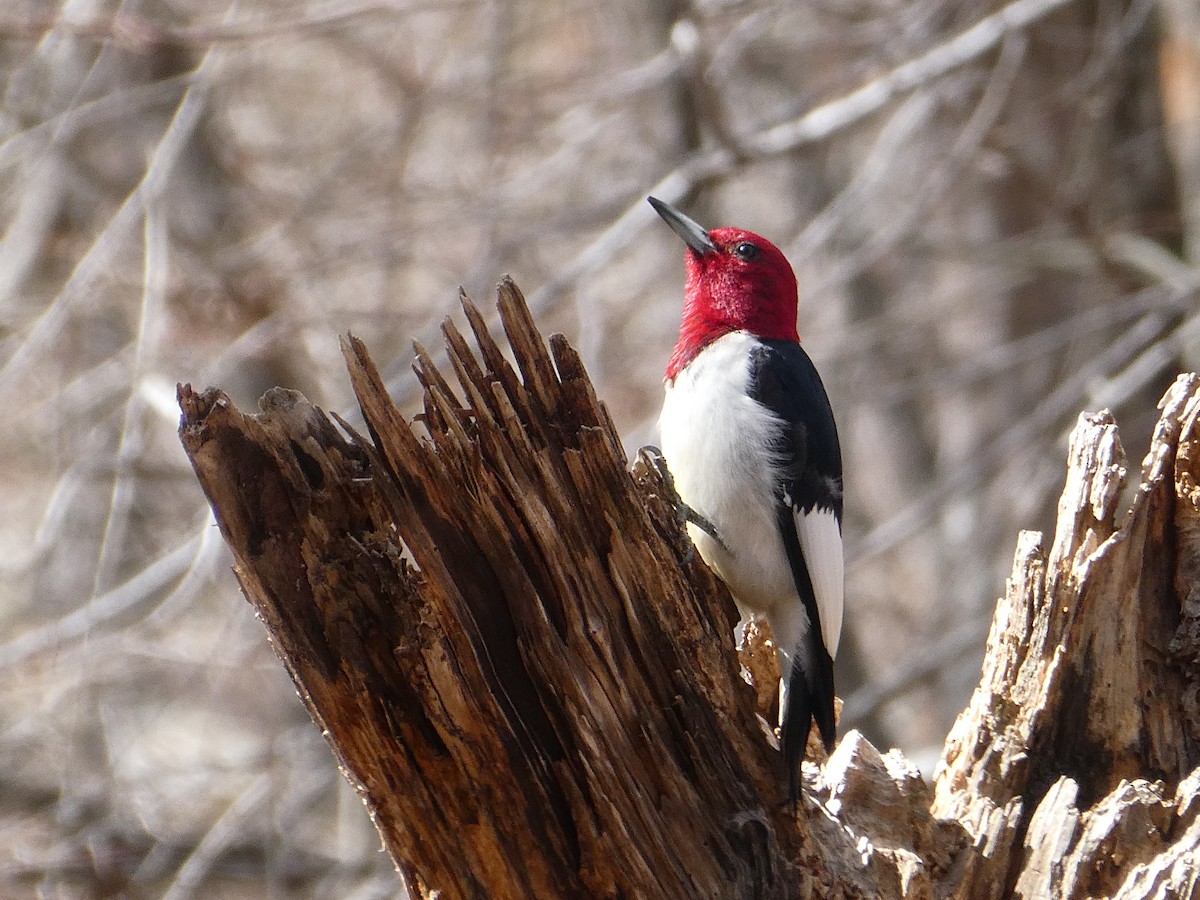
684	514
690	515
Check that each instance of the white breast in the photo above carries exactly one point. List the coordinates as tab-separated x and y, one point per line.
717	442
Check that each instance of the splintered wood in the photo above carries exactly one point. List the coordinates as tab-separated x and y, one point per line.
494	624
1072	768
532	683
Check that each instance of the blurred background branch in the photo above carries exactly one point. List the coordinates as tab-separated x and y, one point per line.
992	211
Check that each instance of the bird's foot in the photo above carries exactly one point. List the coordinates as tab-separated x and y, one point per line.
690	515
684	514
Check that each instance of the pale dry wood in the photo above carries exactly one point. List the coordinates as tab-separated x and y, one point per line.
1077	724
532	682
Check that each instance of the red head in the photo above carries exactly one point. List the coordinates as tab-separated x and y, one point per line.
736	281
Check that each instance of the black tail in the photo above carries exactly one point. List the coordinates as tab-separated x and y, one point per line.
809	699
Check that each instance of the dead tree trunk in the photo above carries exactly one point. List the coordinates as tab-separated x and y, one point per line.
532	683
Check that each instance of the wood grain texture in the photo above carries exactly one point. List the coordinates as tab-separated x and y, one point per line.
1078	720
493	626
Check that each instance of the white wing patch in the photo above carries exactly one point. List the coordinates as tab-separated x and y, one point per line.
821	540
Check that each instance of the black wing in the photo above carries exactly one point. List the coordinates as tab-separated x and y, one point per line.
785	381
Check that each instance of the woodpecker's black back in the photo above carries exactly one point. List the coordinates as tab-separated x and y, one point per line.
784	380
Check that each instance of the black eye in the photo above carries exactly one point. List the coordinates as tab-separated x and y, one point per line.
747	251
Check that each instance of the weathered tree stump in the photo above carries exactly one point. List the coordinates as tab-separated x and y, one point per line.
532	682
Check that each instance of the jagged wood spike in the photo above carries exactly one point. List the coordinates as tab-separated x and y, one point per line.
536	366
495	362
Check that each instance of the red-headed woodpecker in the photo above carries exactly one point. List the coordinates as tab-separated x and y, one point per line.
749	438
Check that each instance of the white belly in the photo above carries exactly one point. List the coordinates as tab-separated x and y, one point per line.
714	437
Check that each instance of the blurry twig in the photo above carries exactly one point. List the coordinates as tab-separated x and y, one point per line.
155	269
1005	357
107	108
223	833
892	139
1018	436
141	33
53	319
184	561
963	48
942	653
939	181
1153	362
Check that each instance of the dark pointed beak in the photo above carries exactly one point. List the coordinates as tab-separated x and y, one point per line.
688	229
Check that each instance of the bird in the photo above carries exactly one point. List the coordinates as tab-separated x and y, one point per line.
750	441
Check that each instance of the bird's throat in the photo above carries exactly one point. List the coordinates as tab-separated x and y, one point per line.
695	333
